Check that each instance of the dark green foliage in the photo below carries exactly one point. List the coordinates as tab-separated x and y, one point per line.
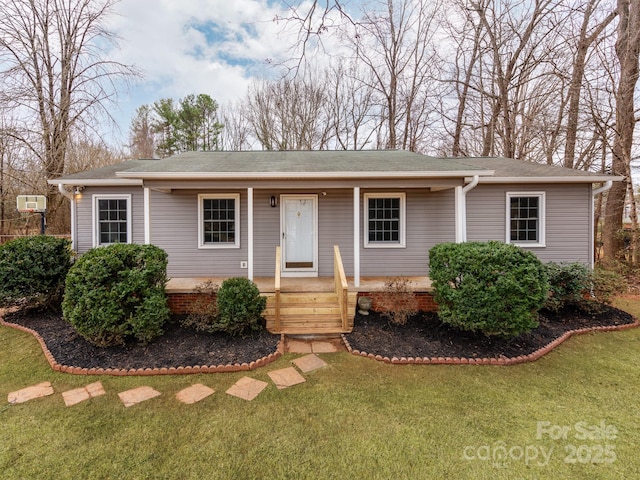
117	292
491	287
605	284
568	283
240	306
33	270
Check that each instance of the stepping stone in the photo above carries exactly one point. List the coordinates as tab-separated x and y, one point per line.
77	395
309	363
298	346
286	377
247	388
323	347
194	393
137	395
43	389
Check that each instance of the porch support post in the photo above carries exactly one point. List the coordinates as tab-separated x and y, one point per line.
74	208
250	233
356	236
461	215
147	216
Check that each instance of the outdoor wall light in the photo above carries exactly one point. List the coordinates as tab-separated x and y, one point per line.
272	201
78	190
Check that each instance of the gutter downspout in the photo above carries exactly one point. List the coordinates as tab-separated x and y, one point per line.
461	208
608	184
72	198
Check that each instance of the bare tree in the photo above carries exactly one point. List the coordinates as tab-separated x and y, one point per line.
55	72
141	138
628	54
289	114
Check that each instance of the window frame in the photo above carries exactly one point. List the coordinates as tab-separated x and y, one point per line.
541	219
95	211
219	196
401	243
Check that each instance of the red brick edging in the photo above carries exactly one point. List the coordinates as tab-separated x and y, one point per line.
235	367
489	361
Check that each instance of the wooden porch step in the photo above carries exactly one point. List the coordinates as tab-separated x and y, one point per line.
308	312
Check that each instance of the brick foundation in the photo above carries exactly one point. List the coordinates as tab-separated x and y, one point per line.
181	303
426	302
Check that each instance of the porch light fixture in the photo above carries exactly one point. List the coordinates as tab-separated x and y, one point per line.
272	201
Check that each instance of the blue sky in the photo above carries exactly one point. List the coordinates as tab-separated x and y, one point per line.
197	46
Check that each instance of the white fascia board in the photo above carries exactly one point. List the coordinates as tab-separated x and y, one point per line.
112	182
298	175
511	180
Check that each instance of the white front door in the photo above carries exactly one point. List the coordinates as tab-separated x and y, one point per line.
299	220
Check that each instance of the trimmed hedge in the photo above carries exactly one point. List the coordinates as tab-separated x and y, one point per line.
568	283
240	306
117	292
489	287
33	270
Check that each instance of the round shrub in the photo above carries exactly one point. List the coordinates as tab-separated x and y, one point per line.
568	282
33	270
489	287
240	306
117	292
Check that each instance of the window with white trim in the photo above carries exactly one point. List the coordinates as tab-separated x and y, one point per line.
218	220
385	219
525	218
112	219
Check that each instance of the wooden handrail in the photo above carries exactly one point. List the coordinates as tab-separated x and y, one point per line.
277	288
341	285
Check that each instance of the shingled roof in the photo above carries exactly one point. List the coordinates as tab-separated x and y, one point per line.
327	164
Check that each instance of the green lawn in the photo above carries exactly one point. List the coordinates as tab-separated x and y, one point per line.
357	419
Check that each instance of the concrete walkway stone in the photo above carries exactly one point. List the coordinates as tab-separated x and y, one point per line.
247	388
286	377
323	347
194	393
298	346
43	389
137	395
77	395
309	363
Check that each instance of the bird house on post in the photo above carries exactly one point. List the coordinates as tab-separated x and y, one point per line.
33	204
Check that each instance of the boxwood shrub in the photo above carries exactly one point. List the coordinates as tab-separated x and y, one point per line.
488	287
33	270
568	283
115	293
240	306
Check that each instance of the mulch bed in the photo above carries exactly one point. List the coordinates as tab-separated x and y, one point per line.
424	335
177	347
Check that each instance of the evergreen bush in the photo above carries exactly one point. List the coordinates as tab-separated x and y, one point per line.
568	283
240	306
116	292
488	287
33	270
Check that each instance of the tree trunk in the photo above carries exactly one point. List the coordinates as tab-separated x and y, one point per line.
628	53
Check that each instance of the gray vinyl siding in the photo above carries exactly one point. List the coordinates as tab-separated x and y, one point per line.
174	228
568	219
84	212
430	219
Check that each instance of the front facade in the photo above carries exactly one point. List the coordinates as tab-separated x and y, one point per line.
222	214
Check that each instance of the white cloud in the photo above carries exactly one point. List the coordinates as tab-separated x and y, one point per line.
195	46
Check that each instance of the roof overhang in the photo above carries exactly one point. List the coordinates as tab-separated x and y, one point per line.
538	180
298	175
114	182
